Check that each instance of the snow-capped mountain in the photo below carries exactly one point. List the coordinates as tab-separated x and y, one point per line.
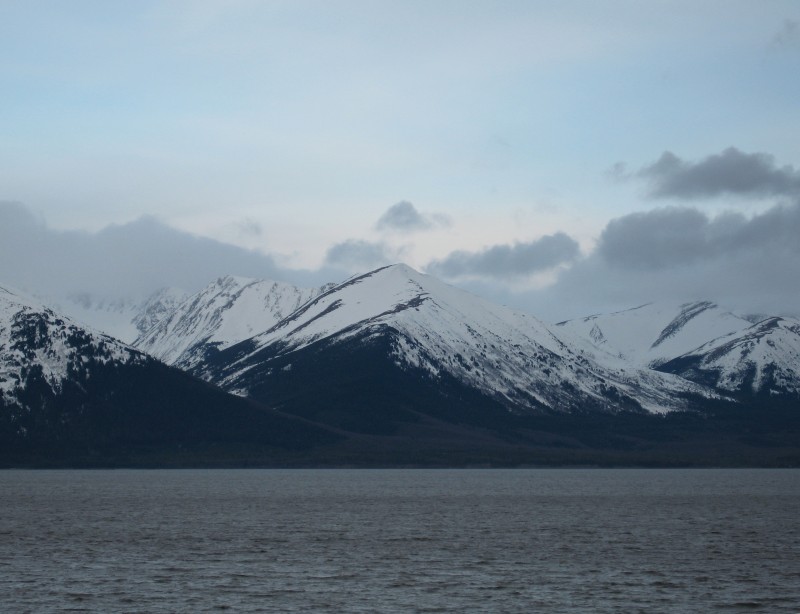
154	309
656	332
763	359
442	333
40	349
225	312
68	392
701	342
394	366
120	317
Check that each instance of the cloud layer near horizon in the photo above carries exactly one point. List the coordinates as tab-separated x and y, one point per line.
681	253
129	260
745	261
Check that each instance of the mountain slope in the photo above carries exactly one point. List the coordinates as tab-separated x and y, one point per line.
424	335
154	309
764	359
400	369
38	347
703	343
122	318
656	332
65	389
225	312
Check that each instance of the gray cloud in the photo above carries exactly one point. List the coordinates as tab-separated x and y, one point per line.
129	260
249	227
509	260
404	217
788	35
729	172
678	236
680	254
656	239
356	255
618	172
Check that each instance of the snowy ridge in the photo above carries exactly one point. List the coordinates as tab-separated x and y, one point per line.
763	359
225	312
511	356
36	343
156	308
655	333
398	294
122	318
113	316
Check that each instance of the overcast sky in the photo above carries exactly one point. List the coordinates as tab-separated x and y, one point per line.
562	157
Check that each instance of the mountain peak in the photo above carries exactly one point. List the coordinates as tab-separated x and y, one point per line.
231	282
44	350
654	332
228	310
444	332
392	273
11	298
762	358
400	268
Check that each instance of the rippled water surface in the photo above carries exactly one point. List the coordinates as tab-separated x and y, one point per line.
400	540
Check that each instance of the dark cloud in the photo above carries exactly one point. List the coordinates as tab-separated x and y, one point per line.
129	260
678	236
729	172
404	217
509	260
749	264
681	253
355	255
657	239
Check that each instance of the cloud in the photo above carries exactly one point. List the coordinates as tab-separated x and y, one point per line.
618	172
788	35
356	255
746	263
730	172
749	264
678	236
657	239
249	227
404	217
129	260
509	260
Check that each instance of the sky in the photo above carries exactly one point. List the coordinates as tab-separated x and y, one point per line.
563	158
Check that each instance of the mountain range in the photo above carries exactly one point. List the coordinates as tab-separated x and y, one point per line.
227	311
71	394
703	343
394	367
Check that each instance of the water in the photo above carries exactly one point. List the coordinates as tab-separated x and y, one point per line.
400	541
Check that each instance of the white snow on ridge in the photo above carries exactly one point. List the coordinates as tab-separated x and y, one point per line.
225	312
765	358
656	332
500	351
405	297
155	308
120	317
32	336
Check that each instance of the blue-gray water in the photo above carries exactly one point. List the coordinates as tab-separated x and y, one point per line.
400	541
